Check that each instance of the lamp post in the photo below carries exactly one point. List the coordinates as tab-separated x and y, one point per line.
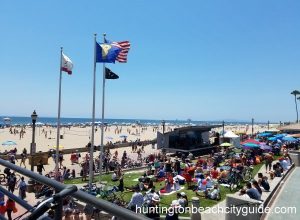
163	122
33	144
252	126
268	125
223	127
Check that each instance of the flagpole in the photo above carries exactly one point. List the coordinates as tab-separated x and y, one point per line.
58	115
91	162
102	121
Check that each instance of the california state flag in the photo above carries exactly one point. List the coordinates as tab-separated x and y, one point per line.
66	64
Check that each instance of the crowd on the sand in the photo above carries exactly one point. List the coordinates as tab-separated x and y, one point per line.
15	181
180	174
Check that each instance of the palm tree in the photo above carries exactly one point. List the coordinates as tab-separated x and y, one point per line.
295	93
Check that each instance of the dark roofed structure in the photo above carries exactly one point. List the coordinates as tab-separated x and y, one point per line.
290	129
194	139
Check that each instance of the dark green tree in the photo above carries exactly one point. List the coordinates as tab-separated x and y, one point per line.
295	93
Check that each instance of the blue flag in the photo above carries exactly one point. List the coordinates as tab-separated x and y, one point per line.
107	52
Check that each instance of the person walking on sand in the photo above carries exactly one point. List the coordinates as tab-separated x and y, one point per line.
22	188
40	167
23	158
12	180
60	159
24	151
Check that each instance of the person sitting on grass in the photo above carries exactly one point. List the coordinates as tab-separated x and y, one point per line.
199	173
176	184
182	199
168	186
148	196
201	185
209	182
153	208
214	173
185	199
173	211
114	176
137	200
149	184
120	187
160	174
223	175
213	193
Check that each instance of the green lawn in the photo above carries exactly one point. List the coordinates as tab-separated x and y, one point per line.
129	180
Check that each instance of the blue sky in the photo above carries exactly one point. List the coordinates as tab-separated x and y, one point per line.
204	60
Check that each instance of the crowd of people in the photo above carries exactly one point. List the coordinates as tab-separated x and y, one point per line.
202	175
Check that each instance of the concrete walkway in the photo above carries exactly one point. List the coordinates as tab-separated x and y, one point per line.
288	196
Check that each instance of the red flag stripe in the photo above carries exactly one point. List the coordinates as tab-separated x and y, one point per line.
125	46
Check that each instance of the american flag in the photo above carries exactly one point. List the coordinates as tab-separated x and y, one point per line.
125	46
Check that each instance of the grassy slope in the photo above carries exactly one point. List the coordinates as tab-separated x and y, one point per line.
129	180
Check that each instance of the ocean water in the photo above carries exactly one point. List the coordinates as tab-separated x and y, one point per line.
65	121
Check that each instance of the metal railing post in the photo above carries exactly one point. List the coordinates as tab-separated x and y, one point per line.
59	207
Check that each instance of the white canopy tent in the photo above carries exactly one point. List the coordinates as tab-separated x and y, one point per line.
234	139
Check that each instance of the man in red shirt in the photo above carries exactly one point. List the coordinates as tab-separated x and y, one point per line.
214	173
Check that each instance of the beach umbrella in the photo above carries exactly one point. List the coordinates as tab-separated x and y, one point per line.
252	141
288	138
225	144
251	145
280	136
272	138
9	143
265	147
123	136
266	134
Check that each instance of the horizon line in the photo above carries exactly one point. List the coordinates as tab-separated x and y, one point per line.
225	120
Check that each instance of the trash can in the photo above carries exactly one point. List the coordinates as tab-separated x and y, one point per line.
61	136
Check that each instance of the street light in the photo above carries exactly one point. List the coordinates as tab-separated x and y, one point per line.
33	144
163	122
252	126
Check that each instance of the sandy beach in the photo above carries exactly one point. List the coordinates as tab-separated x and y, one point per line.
76	137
